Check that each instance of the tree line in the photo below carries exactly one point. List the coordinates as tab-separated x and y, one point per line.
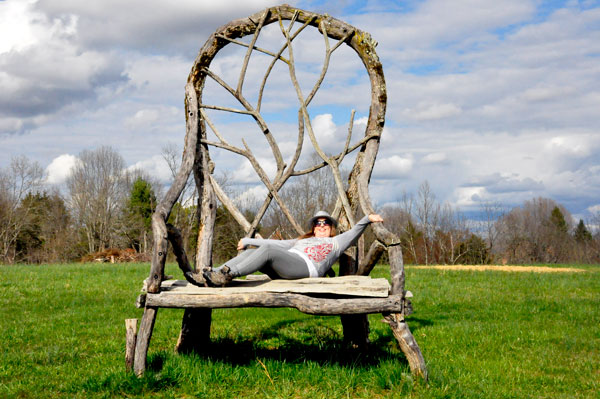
105	207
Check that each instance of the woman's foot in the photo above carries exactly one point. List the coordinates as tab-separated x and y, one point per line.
218	278
195	278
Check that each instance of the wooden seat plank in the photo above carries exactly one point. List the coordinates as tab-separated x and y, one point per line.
302	302
352	286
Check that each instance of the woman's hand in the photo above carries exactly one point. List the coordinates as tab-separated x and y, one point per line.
375	218
240	245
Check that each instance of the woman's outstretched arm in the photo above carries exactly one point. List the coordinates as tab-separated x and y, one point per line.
244	242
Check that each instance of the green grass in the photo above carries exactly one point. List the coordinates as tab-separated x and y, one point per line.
485	334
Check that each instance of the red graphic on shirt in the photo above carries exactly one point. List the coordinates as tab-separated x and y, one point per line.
318	253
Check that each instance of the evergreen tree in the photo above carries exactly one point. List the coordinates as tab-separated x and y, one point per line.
46	236
139	210
558	220
582	234
142	201
474	251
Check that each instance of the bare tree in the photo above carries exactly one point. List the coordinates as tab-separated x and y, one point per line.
20	178
427	211
492	211
536	232
184	212
451	231
97	188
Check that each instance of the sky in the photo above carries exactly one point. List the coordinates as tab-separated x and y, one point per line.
487	101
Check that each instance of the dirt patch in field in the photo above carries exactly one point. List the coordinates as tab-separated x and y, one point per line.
537	269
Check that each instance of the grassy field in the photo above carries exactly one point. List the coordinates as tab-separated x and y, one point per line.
484	334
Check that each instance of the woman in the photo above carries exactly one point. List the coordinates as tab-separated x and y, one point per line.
310	255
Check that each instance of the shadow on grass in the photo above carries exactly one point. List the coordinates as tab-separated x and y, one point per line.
298	341
291	341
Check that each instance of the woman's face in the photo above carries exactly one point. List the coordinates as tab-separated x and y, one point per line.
322	228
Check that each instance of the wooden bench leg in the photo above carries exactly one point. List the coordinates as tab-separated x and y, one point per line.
356	330
408	344
143	340
195	330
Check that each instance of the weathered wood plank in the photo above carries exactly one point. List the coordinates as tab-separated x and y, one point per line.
304	303
356	286
130	338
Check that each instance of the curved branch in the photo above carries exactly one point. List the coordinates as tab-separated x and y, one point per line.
213	127
348	151
270	68
274	192
257	117
262	50
348	138
234	110
249	52
331	162
279	182
224	146
228	203
328	52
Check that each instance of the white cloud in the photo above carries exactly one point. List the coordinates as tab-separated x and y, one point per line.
15	28
469	196
427	111
149	117
156	167
361	121
571	146
419	33
149	24
252	197
502	96
545	92
435	158
394	166
245	172
594	209
44	70
324	130
60	168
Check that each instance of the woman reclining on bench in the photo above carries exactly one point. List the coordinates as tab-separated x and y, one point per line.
310	255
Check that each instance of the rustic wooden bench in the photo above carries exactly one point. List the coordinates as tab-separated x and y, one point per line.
354	294
319	295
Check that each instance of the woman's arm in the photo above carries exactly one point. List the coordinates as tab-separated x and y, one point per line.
257	242
349	237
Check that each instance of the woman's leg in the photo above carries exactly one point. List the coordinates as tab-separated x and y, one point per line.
233	262
273	261
284	263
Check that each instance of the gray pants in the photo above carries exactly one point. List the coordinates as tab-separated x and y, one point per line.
275	262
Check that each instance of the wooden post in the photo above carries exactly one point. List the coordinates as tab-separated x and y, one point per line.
143	340
408	344
355	326
195	326
131	336
400	329
195	330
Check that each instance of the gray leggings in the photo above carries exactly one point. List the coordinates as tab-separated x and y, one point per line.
273	261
